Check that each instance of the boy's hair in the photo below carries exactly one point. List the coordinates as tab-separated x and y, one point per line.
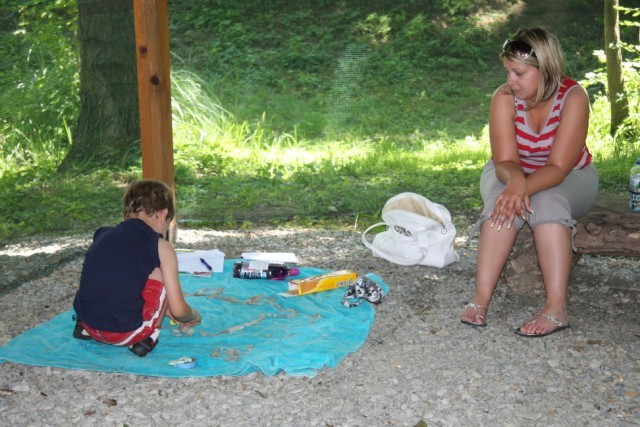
149	196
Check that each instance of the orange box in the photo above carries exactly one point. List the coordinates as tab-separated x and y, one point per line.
322	282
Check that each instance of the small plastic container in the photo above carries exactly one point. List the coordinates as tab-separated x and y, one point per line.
185	362
263	270
634	187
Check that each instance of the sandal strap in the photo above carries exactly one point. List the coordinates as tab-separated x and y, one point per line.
554	319
476	307
551	317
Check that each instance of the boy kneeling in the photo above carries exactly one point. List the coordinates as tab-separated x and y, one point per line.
129	279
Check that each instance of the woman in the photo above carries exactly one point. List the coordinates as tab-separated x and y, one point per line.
540	173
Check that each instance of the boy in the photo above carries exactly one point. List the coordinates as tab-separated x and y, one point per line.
129	279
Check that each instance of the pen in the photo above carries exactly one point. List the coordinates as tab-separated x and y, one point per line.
206	264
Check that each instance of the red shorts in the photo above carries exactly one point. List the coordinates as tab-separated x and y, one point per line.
155	301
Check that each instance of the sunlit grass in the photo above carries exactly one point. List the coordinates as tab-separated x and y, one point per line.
233	171
316	141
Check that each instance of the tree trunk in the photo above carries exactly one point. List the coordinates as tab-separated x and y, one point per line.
615	79
108	127
606	233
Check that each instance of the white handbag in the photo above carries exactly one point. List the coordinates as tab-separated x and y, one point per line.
418	232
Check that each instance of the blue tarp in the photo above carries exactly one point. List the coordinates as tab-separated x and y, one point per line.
247	326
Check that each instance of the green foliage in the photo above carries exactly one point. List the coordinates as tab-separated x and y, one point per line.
615	154
37	202
309	112
38	77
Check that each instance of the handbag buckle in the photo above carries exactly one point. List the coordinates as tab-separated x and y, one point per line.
402	230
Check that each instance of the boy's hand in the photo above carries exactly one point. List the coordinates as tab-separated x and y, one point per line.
196	321
185	325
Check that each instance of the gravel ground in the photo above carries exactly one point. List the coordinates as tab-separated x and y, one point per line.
420	365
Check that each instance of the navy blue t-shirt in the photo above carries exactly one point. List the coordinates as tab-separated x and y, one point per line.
115	271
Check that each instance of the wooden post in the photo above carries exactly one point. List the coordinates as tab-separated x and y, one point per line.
151	20
154	88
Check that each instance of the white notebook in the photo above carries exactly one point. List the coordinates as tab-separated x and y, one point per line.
275	257
200	263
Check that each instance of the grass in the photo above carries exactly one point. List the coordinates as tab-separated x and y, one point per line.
299	114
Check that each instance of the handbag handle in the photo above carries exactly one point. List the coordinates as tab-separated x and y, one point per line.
387	255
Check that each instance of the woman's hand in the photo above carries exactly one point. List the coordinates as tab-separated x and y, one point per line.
511	202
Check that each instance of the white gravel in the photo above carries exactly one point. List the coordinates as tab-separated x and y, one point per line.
420	365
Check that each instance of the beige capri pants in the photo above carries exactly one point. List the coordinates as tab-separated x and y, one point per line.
561	204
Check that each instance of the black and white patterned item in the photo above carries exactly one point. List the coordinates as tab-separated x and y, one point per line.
363	289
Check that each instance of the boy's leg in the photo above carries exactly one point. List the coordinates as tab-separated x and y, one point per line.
155	306
153	311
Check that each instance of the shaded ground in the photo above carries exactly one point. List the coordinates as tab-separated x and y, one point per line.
419	363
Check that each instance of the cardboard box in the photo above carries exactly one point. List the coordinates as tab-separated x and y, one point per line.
322	282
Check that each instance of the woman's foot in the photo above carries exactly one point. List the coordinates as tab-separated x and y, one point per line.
542	325
474	315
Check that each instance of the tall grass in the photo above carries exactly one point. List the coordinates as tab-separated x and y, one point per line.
317	123
615	154
230	170
38	85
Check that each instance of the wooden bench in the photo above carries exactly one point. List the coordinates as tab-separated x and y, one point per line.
610	228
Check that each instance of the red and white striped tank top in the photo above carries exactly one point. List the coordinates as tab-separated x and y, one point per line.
534	148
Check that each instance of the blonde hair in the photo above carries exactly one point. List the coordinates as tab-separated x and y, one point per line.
149	196
548	58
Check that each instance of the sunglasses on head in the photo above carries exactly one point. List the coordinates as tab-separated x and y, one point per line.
518	48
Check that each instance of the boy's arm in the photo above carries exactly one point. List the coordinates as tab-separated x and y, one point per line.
179	309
